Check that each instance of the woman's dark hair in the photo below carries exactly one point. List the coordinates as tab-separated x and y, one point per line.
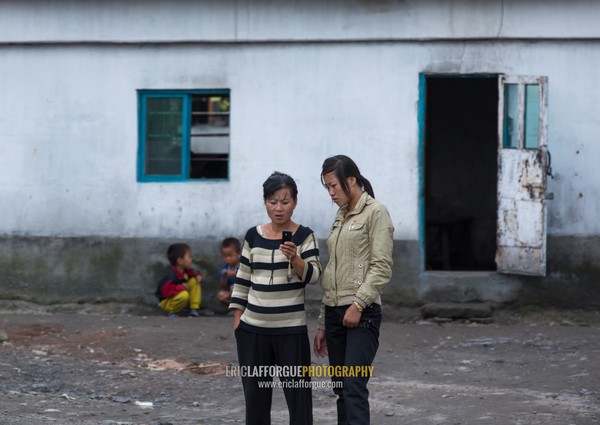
278	181
177	251
343	167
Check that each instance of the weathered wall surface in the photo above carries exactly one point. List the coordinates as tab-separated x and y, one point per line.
59	270
259	20
68	131
68	120
68	270
307	80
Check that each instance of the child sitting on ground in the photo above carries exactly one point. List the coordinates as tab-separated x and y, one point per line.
231	251
180	286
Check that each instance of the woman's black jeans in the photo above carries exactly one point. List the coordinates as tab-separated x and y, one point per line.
266	350
352	347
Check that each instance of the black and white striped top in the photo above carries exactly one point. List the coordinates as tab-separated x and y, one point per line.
271	304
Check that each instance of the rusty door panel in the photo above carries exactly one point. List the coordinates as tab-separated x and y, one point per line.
514	259
521	227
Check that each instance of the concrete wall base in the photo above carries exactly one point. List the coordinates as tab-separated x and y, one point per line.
52	270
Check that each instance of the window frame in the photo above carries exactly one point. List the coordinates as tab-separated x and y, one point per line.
186	132
521	84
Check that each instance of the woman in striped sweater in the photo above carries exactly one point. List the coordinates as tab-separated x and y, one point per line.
268	304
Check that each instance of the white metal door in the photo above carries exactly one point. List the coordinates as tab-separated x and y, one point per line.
522	164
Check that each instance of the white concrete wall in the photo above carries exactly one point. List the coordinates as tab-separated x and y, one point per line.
68	115
239	20
69	136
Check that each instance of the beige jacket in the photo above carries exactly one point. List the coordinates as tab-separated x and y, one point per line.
360	256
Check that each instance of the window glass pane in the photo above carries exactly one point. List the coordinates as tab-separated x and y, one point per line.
511	117
532	112
163	136
209	142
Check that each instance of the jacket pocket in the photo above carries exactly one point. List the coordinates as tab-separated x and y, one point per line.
356	227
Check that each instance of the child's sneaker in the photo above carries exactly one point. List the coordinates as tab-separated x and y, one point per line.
171	315
194	313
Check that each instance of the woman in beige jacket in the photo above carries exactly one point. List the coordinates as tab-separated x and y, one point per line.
359	268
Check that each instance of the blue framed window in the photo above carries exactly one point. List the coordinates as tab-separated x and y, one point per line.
183	135
522	106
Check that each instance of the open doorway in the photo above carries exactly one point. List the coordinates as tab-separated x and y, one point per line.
460	172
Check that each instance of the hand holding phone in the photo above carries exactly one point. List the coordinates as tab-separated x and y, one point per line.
286	236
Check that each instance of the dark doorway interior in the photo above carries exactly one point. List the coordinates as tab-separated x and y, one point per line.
461	172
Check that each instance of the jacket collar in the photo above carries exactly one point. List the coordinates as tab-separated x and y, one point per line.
364	200
181	275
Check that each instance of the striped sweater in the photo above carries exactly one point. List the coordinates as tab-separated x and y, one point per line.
271	304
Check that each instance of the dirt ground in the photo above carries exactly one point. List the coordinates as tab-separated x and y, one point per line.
130	365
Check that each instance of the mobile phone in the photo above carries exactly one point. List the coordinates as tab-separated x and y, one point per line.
286	235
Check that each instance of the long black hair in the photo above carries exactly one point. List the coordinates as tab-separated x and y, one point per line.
343	167
278	181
